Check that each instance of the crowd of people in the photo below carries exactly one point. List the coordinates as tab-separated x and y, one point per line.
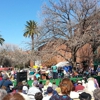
85	89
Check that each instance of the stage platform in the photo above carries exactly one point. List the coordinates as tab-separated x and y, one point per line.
58	80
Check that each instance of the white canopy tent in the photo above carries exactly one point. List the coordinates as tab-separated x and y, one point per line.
62	64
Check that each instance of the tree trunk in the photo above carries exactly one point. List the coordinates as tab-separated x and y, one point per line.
73	60
32	42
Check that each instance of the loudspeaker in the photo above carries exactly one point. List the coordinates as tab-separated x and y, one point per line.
21	76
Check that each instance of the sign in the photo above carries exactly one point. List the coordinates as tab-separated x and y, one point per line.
38	63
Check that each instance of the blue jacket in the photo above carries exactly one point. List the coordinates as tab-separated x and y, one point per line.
7	84
60	97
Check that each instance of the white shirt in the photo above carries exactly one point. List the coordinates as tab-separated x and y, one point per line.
32	91
47	97
74	94
24	96
50	84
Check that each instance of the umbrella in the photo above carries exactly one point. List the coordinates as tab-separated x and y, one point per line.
62	64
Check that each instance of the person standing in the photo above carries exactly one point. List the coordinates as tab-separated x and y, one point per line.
55	71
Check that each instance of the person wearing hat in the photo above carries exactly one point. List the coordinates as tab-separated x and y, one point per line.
79	87
49	93
33	90
25	87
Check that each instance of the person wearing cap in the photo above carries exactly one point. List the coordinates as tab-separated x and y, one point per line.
33	90
49	93
79	87
25	87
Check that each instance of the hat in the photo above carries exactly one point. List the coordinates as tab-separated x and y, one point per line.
79	82
24	82
83	81
85	95
49	90
96	93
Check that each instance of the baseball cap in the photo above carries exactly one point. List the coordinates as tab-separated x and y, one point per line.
49	90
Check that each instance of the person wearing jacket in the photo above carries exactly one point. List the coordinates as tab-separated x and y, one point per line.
5	83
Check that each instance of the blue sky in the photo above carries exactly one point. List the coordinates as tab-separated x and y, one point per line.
13	17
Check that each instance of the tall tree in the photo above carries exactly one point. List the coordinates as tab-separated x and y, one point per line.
30	30
13	54
1	40
70	20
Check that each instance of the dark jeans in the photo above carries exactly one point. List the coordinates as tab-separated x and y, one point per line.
55	75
